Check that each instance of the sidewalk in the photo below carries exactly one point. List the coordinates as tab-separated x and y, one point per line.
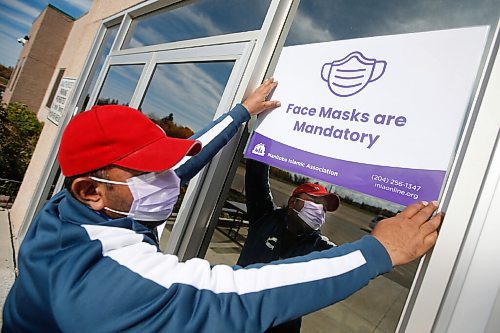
7	265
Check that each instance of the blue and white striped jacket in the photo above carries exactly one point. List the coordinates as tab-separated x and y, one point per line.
82	272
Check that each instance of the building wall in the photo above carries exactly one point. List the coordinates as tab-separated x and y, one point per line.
72	58
39	57
7	96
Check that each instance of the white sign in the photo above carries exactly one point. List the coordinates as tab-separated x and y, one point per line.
59	102
380	115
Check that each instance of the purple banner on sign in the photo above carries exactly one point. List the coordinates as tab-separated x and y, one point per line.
400	185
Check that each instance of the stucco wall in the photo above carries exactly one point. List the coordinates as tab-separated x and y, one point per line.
75	52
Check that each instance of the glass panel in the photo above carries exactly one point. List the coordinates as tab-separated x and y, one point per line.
314	23
358	18
356	216
186	94
182	99
201	19
119	84
377	307
107	42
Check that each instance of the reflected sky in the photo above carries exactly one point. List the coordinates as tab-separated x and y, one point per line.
321	21
107	42
120	84
191	91
201	19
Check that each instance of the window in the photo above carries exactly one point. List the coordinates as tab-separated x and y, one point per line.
182	99
119	84
202	19
324	21
108	40
378	306
18	70
186	94
55	87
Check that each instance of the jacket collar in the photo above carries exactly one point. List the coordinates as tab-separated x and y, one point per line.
73	211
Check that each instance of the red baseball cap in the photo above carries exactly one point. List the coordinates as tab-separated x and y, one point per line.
119	135
316	190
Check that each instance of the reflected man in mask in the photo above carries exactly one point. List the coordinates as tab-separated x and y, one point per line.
280	233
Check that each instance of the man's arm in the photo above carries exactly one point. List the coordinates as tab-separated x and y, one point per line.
213	138
218	133
147	290
257	190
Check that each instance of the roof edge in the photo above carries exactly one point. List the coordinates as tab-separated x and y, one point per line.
61	11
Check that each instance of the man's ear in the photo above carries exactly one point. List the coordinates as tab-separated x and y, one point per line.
88	192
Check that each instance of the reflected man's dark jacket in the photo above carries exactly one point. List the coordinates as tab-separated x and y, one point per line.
267	238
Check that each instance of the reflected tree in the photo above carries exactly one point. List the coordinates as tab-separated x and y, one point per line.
172	129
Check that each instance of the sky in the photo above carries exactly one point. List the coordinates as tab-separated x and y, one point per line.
17	16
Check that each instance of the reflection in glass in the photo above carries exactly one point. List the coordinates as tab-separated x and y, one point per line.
201	19
182	98
324	21
119	84
377	307
107	42
381	300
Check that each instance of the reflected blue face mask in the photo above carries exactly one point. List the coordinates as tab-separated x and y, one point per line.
350	75
155	195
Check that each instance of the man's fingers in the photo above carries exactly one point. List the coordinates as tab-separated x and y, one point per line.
432	225
265	89
268	86
271	104
257	101
425	213
429	241
412	209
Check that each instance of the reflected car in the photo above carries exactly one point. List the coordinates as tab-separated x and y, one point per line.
375	220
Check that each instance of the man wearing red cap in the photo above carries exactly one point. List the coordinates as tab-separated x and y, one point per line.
280	233
90	261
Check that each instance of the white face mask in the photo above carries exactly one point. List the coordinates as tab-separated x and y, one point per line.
312	214
155	195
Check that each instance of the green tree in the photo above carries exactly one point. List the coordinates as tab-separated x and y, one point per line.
19	132
171	128
5	71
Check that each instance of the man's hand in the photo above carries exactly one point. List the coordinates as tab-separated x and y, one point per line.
257	101
410	234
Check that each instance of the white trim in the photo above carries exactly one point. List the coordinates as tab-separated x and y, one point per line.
232	38
126	248
436	274
112	238
207	137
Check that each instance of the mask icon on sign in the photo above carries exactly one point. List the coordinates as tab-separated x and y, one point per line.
350	75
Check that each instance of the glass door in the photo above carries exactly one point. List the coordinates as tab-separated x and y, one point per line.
182	91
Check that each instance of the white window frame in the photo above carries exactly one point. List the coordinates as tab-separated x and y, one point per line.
440	276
